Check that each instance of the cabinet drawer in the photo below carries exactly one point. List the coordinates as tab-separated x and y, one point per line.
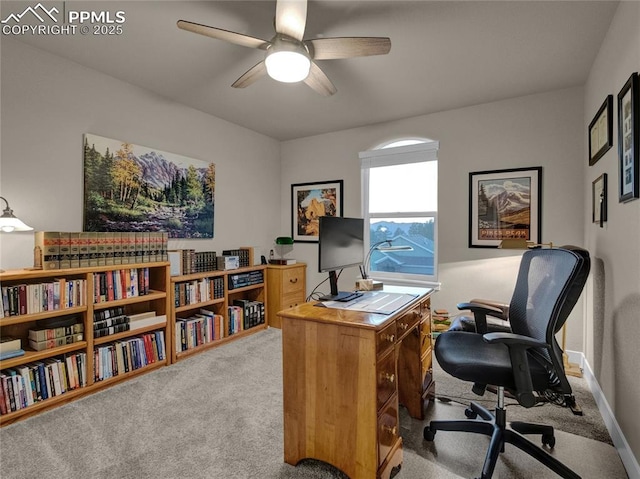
386	378
388	430
386	338
292	280
290	300
408	321
425	336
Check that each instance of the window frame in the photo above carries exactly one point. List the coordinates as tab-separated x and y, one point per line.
390	155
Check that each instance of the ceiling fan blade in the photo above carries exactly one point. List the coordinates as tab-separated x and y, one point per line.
347	47
319	81
291	18
226	35
252	75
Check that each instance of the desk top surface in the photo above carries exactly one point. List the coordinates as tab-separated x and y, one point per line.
315	311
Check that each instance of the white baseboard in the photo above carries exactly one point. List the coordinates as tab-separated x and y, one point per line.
619	441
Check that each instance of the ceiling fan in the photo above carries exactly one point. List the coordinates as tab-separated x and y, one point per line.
289	58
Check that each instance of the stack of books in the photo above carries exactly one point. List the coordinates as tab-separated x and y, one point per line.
440	320
10	347
55	334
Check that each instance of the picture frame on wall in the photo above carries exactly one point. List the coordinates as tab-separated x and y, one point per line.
629	140
601	131
505	205
599	200
309	201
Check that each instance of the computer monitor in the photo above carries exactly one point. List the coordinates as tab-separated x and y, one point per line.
340	245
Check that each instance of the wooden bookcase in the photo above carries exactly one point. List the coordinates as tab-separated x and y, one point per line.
217	304
157	299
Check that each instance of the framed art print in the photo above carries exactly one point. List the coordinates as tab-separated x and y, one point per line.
309	201
504	204
601	131
629	139
599	200
128	187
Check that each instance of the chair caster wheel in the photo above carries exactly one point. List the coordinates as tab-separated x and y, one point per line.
428	434
470	413
548	440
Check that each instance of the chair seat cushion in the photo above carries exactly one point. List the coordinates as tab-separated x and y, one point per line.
466	356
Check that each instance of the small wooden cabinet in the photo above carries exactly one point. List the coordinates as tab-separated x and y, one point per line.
287	288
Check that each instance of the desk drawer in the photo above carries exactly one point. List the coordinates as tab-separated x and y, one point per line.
386	338
388	430
408	321
292	280
425	336
386	378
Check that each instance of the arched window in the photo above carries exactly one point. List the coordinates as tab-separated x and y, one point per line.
400	205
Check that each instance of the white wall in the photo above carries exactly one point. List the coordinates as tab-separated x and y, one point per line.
613	294
48	103
539	130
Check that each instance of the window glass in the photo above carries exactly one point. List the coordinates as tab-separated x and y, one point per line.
400	205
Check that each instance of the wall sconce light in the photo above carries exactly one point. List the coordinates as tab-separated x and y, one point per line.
9	222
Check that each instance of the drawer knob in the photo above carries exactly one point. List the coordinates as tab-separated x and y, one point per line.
403	326
293	280
390	337
389	429
389	377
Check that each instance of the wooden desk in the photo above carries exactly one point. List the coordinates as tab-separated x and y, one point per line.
345	374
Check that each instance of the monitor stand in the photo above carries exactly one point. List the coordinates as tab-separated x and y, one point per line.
335	294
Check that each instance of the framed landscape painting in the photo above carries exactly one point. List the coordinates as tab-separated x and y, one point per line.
504	204
129	187
309	201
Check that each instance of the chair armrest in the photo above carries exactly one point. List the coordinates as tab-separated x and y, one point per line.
480	312
514	339
503	307
518	345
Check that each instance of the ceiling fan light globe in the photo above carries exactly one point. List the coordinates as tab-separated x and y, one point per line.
287	66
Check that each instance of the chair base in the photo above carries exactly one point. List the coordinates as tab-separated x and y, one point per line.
495	426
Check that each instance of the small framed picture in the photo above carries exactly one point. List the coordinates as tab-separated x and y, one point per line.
599	200
601	131
504	205
629	139
309	201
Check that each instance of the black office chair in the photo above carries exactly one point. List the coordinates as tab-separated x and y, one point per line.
496	314
526	362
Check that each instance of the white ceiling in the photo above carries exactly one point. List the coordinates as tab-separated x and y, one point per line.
444	55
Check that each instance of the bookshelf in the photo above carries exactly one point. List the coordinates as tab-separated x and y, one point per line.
75	367
212	293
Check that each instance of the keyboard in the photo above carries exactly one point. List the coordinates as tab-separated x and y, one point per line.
350	297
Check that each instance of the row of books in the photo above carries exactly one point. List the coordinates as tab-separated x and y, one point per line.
61	250
120	284
198	291
201	328
110	321
244	254
241	280
189	261
25	298
252	312
30	383
128	355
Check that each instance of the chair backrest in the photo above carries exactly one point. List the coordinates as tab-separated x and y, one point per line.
544	295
